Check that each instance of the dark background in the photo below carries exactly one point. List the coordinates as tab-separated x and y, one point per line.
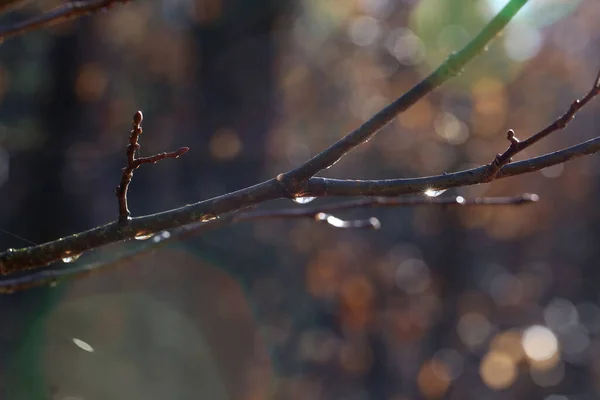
438	303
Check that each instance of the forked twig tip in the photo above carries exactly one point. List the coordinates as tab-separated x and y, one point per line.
133	163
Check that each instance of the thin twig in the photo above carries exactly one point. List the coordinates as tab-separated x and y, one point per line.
516	146
323	213
67	12
134	163
294	179
382	202
323	187
319	214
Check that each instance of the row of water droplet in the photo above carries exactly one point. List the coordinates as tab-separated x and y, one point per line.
70	257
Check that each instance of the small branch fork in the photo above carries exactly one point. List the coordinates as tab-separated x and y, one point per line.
238	206
294	179
134	163
66	12
517	146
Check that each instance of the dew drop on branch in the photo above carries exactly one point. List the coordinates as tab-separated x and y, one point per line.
208	217
303	200
161	236
70	257
433	192
143	235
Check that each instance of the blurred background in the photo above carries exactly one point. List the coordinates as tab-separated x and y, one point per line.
495	303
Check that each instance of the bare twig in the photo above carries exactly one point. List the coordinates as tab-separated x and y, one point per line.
134	163
516	146
319	214
381	202
67	12
294	179
501	167
322	187
323	213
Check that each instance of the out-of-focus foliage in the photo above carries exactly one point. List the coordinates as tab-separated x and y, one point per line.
497	303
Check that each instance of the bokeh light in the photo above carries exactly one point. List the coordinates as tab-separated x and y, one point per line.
539	343
473	329
508	343
560	315
451	361
83	345
497	370
548	377
433	379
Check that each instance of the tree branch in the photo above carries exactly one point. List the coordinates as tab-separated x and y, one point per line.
453	66
318	214
301	182
44	254
517	146
381	202
321	187
67	12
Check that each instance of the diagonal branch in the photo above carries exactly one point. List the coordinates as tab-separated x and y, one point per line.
318	214
67	12
30	257
294	179
225	209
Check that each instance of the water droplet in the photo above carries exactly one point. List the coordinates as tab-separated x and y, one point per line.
83	345
303	200
375	224
321	216
161	236
207	217
70	257
336	222
434	192
143	235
